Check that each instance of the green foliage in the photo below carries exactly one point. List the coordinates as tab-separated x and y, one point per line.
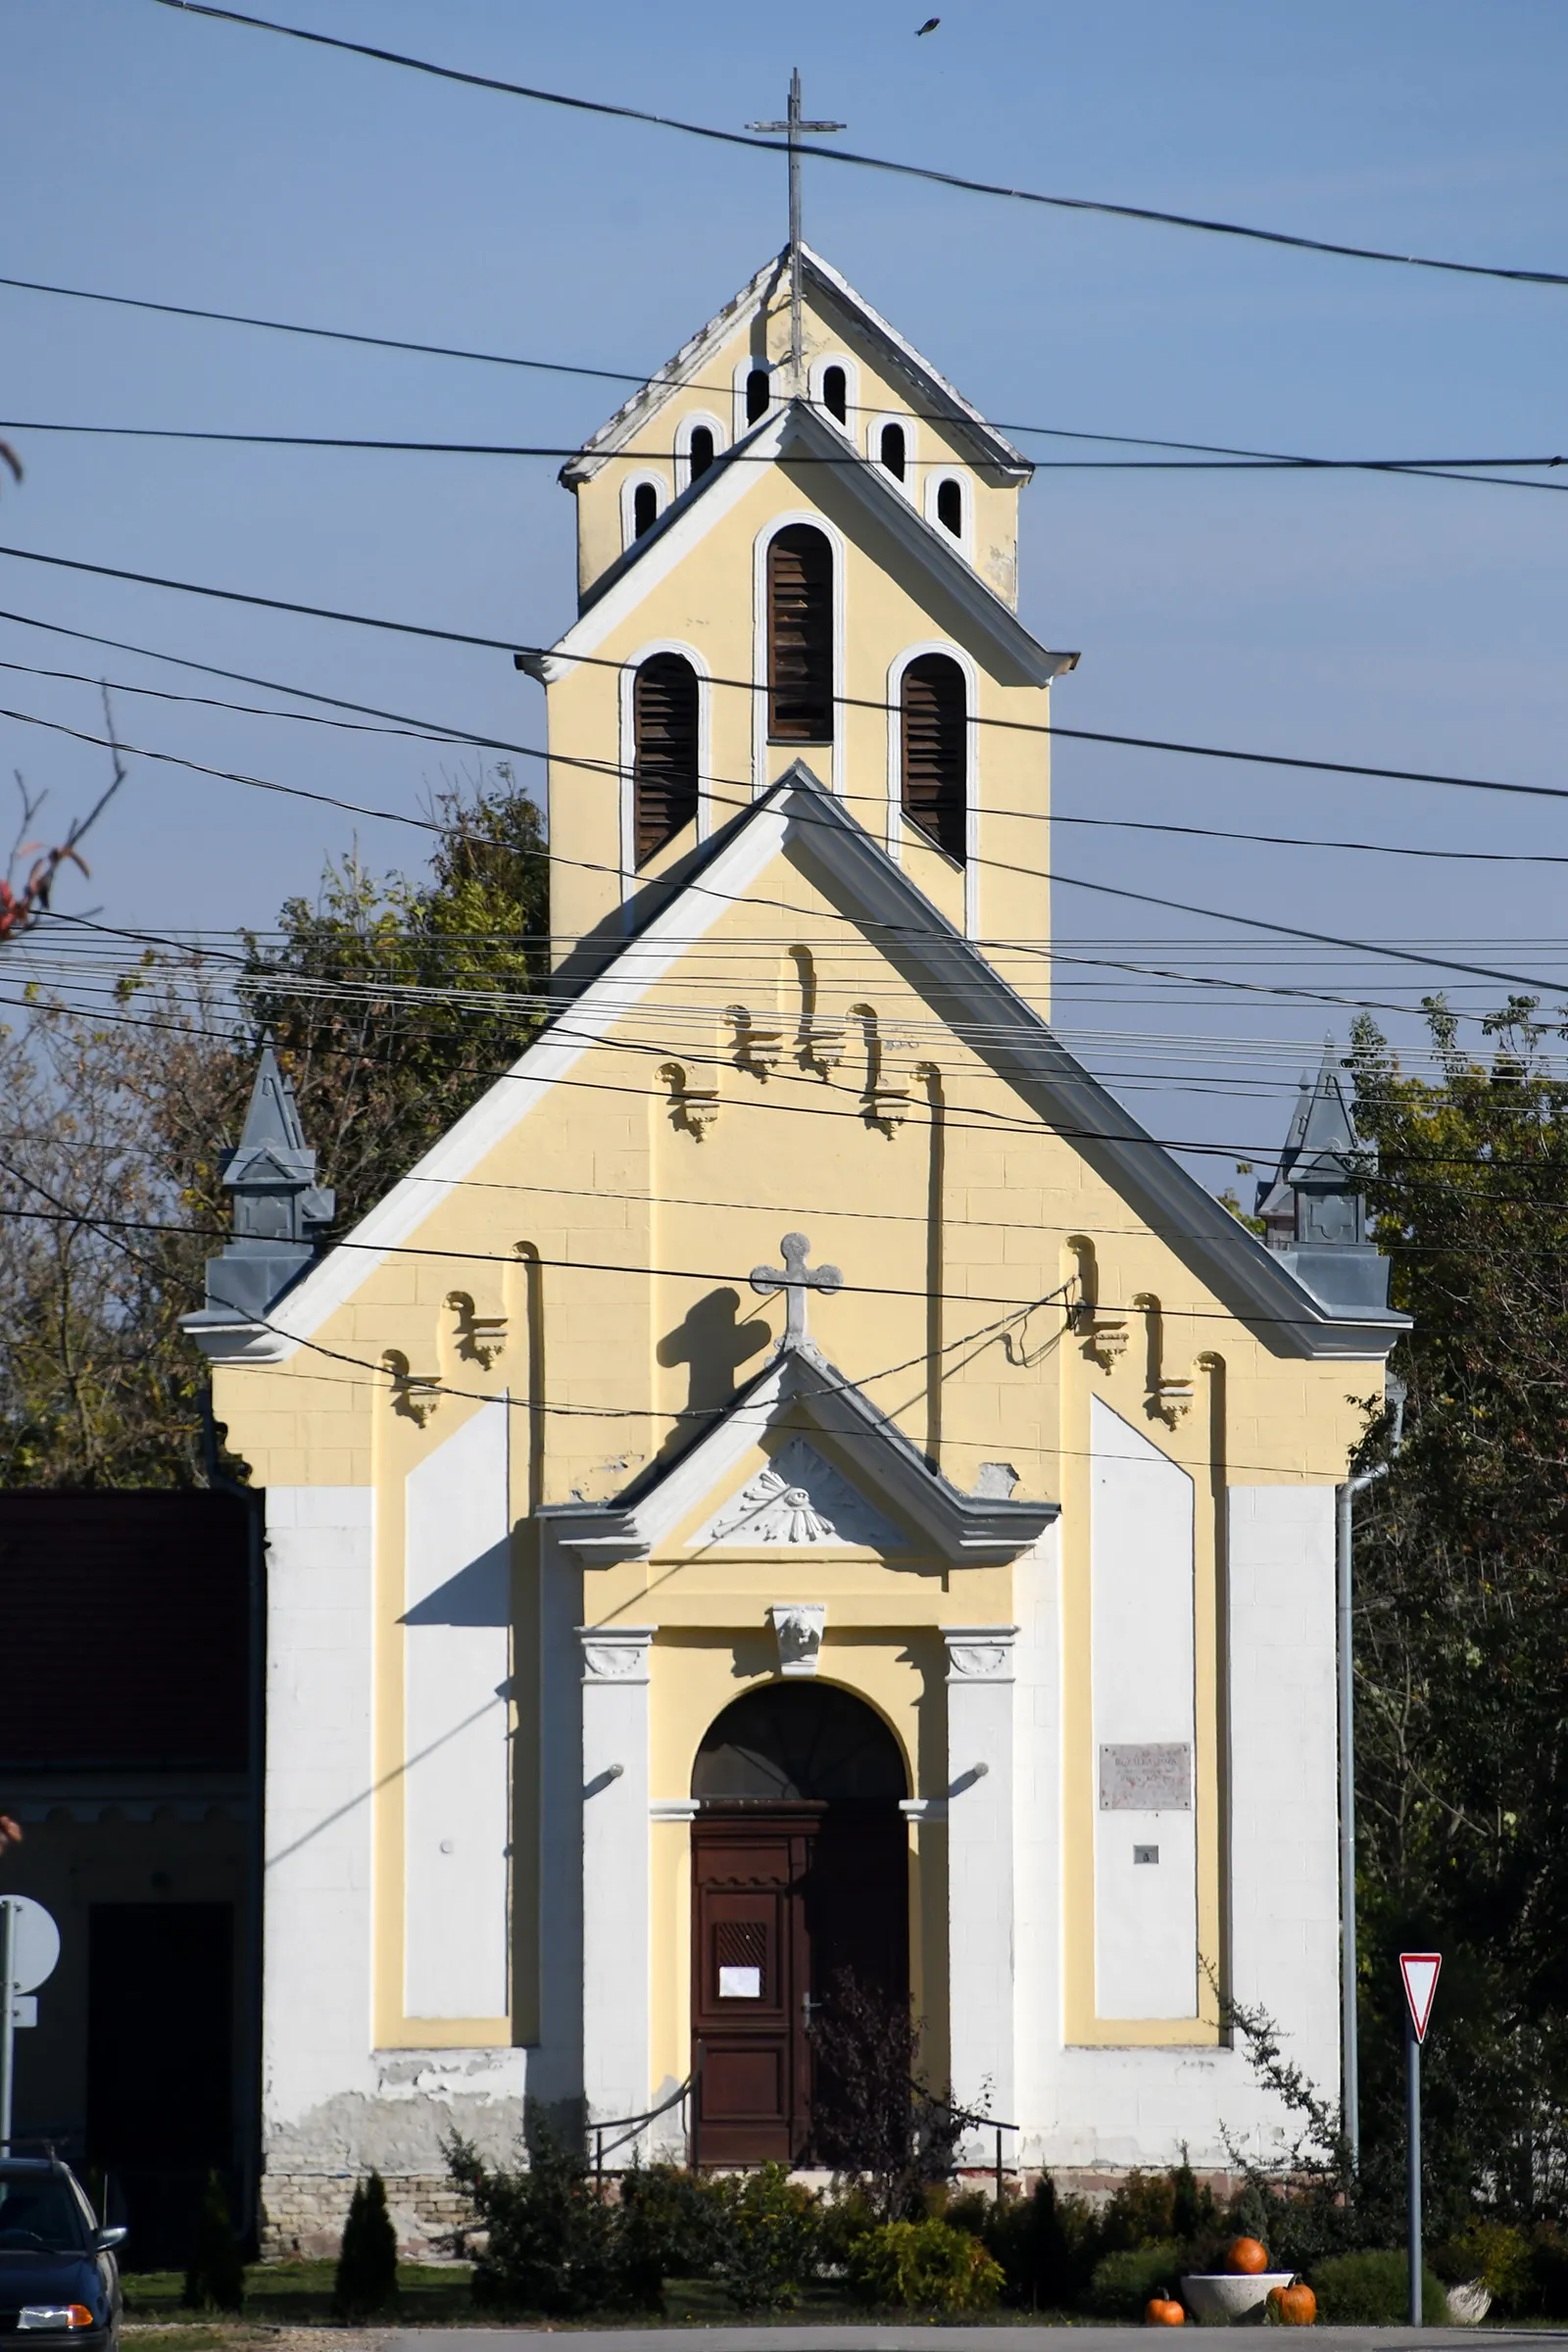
367	2279
770	2246
1151	2208
215	2278
1123	2281
394	1003
1462	1672
923	2266
554	2245
1047	2246
1373	2290
874	2121
843	2218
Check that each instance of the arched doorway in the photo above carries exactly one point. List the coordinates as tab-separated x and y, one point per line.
800	1869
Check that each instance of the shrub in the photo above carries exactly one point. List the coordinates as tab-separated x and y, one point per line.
771	2239
848	2215
1123	2281
673	2220
873	2120
1499	2255
1548	2271
367	2281
1151	2208
1045	2244
555	2247
216	2279
923	2266
1373	2290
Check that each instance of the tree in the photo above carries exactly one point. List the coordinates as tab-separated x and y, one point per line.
366	2277
1462	1659
393	1002
215	2278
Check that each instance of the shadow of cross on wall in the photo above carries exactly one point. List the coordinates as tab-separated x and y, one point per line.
713	1343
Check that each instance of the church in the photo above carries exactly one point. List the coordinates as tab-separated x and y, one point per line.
797	1481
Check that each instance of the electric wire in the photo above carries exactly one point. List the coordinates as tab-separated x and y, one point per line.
851	157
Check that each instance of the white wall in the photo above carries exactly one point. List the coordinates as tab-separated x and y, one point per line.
455	1663
1141	1539
317	2008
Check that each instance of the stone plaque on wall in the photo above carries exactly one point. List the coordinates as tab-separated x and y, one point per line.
1146	1779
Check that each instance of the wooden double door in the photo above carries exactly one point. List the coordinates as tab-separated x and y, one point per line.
784	1896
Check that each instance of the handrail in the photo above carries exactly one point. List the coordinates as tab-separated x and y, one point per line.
966	2115
629	2125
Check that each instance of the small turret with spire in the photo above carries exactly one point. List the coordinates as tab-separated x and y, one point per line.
1315	1211
281	1211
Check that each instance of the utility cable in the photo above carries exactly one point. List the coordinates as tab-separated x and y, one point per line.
873	163
751	686
1437	469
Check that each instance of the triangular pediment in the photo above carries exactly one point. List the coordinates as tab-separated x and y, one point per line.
797	1502
718	1484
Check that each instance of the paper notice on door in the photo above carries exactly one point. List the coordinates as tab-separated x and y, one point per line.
740	1984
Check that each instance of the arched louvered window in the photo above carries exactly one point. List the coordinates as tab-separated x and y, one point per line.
758	392
665	769
644	509
950	507
893	450
936	750
836	393
700	450
800	636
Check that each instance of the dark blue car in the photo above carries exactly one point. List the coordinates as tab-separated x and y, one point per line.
58	2274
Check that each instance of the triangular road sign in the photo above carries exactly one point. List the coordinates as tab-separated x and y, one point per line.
1419	1971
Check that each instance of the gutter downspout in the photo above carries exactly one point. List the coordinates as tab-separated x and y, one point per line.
1344	1593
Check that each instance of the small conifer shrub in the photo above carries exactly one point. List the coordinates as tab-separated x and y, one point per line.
215	2278
367	2281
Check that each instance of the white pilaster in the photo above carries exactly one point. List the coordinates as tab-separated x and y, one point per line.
615	1889
980	1869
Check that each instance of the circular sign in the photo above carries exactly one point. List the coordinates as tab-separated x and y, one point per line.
35	1944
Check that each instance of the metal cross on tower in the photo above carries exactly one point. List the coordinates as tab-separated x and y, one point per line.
794	1281
794	126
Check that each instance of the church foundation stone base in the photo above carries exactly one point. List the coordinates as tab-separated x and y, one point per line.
303	2214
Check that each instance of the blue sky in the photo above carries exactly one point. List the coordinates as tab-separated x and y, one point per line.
1413	622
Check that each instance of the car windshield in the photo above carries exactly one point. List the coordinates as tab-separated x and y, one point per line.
38	2213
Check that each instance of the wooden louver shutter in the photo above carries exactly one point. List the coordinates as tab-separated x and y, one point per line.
664	714
800	636
936	743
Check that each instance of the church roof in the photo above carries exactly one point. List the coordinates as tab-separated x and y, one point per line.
797	426
929	388
798	1390
952	974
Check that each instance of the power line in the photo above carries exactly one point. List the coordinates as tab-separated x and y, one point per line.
1052	876
751	686
873	163
650	376
1437	469
423	731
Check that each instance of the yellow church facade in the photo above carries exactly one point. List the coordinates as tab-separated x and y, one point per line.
797	1485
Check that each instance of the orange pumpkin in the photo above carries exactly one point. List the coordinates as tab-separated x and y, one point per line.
1292	2306
1161	2312
1244	2257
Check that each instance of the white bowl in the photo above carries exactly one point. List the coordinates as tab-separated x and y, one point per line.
1230	2295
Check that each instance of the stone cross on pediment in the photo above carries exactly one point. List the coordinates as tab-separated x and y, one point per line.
794	1280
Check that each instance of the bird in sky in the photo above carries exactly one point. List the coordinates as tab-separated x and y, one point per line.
929	26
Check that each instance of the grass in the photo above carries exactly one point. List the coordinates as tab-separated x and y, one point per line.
292	2294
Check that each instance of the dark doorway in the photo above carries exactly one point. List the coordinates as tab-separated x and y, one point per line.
160	2064
800	1870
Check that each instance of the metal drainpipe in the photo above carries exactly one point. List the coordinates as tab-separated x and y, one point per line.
1343	1577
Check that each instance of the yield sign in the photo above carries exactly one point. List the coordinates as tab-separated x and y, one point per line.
1420	1973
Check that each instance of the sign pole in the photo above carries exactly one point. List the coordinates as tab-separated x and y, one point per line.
1413	2054
7	2019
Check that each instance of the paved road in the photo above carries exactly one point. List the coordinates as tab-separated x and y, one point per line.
835	2336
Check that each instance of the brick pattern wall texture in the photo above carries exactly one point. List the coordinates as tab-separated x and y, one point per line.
303	2214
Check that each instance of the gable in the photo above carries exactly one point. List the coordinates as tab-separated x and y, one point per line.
798	1502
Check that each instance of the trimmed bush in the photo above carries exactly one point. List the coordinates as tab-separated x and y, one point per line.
923	2266
216	2279
1372	2291
770	2239
367	2281
1123	2283
553	2246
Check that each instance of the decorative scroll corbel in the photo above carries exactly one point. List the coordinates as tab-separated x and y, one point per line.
415	1395
692	1107
758	1044
1165	1399
481	1338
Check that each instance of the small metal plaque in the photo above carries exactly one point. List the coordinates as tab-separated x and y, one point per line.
1145	1853
1146	1779
740	1984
